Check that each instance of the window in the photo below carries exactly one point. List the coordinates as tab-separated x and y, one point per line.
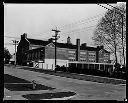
91	60
28	56
92	55
71	58
82	56
32	55
39	54
106	56
83	53
82	59
35	54
71	51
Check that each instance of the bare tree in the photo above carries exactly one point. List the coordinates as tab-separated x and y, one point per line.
109	31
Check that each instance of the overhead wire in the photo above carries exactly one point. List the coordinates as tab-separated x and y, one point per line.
11	37
80	22
76	23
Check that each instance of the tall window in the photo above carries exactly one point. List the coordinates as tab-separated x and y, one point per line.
39	54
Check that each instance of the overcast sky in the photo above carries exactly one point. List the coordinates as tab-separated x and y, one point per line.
37	20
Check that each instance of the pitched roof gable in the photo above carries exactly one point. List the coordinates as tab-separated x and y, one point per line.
50	45
106	51
88	48
38	42
63	45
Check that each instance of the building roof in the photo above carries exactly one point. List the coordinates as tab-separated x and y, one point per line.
38	42
88	48
44	43
34	49
63	45
106	51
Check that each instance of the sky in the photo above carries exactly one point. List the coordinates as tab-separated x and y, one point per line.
38	20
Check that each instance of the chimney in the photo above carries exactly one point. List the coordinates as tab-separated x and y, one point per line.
68	40
50	40
84	44
100	47
97	47
78	50
24	36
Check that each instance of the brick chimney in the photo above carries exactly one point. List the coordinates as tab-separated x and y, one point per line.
68	40
24	36
50	40
100	47
84	44
78	50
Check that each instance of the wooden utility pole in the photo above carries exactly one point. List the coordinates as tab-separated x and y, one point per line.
56	37
15	43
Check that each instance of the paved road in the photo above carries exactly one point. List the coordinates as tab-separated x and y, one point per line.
85	90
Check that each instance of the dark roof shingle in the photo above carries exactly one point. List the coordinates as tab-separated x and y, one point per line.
63	45
88	48
38	42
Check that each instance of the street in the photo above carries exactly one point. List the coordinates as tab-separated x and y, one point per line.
85	90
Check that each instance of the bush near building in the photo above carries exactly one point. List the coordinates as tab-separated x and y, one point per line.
114	74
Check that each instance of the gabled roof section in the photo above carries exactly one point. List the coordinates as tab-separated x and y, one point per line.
88	48
50	45
106	51
34	49
38	42
93	49
103	50
65	45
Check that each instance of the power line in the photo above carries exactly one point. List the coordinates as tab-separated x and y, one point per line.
8	44
80	30
11	37
76	30
115	7
45	33
80	22
19	38
75	25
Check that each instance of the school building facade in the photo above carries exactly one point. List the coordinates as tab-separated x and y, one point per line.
42	53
